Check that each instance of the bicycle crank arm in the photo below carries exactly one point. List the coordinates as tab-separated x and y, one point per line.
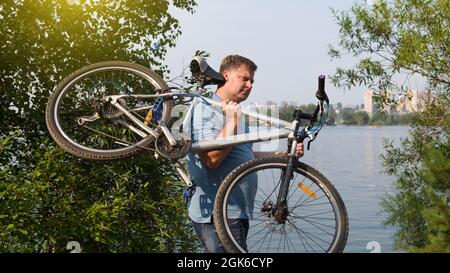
168	135
183	175
94	117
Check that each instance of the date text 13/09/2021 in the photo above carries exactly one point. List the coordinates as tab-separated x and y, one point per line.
225	262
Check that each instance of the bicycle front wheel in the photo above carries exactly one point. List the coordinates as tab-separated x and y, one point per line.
85	124
317	219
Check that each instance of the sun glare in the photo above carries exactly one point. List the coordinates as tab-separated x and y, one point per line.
73	2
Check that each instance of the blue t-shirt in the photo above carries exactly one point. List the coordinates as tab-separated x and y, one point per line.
207	123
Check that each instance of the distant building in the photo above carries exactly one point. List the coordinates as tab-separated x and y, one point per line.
411	101
369	105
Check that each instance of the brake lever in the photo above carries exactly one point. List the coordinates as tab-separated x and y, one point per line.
311	138
309	143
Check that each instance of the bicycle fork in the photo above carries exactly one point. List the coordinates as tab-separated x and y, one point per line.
281	210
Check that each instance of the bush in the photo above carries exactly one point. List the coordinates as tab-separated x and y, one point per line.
419	205
50	198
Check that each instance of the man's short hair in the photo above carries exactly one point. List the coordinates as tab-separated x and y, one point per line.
235	61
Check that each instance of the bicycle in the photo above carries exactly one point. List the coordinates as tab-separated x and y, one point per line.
113	110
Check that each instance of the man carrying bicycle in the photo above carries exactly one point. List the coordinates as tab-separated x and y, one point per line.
208	169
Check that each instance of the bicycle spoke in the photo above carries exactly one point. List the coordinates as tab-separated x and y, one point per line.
103	133
305	196
299	233
309	226
315	223
296	188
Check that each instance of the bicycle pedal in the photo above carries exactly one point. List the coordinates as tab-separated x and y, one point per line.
188	193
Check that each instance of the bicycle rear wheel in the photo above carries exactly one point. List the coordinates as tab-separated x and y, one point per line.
109	134
317	220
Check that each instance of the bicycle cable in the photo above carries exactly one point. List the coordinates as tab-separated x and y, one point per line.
117	139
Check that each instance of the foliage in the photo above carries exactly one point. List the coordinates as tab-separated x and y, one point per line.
390	38
286	111
390	118
361	118
347	115
48	39
420	203
48	197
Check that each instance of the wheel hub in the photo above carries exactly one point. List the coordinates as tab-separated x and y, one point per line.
109	111
281	213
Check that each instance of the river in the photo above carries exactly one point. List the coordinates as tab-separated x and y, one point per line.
349	156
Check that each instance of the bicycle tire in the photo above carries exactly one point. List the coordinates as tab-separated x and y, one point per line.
73	147
318	180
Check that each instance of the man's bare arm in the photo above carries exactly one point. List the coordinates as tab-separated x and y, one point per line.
214	158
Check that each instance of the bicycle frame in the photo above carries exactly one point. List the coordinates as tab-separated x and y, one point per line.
210	145
86	120
286	130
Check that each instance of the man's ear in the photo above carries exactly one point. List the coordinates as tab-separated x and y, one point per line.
225	75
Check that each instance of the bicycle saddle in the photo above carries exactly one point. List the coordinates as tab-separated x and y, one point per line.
203	73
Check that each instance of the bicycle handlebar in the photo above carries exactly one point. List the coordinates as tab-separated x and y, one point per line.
316	122
320	94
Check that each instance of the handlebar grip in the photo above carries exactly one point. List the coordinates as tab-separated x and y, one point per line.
194	67
322	83
320	94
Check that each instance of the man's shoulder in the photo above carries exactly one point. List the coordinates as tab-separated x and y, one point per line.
206	111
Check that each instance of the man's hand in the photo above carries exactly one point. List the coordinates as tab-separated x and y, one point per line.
299	151
230	109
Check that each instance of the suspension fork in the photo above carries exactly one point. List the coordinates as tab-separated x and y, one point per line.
281	208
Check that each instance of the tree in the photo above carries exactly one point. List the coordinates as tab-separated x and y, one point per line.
390	38
332	116
48	197
407	37
286	111
419	205
348	115
361	118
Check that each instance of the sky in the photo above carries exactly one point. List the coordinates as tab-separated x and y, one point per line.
287	39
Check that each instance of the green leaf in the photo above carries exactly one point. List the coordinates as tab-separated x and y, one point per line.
23	231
